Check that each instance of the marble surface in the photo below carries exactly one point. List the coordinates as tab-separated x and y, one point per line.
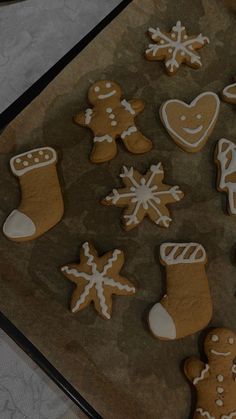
117	365
36	34
25	391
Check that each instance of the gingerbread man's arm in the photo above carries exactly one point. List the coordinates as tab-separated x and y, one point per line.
195	370
137	105
84	118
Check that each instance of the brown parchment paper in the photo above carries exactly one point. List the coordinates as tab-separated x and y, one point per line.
117	365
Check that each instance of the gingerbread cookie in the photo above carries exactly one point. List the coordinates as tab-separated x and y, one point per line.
187	306
229	93
175	48
96	279
225	156
215	382
191	125
112	117
41	204
144	196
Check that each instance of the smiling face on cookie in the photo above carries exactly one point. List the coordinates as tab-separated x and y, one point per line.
190	125
220	344
104	90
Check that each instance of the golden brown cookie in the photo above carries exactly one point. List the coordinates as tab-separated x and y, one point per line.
175	48
191	125
112	117
144	196
186	307
41	205
96	279
225	157
215	381
229	93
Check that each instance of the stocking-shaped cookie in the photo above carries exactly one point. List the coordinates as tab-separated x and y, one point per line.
187	306
41	204
225	156
110	118
215	382
229	93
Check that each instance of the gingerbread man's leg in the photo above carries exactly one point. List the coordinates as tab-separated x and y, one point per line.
104	149
135	141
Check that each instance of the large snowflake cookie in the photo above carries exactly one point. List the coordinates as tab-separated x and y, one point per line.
215	381
229	93
112	117
175	47
191	125
225	156
96	279
144	196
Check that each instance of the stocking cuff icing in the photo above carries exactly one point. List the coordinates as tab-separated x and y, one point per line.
177	253
33	159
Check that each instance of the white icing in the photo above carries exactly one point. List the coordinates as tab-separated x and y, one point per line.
161	323
18	225
20	172
177	44
113	123
36	160
215	338
229	416
127	106
88	116
112	93
220	353
29	156
97	89
108	85
112	116
204	413
202	375
231	341
174	258
144	194
107	138
183	117
227	93
234	368
199	116
97	280
193	131
25	163
219	402
165	119
220	378
227	167
108	110
220	390
128	132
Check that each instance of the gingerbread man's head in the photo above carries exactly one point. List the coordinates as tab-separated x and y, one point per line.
220	344
103	91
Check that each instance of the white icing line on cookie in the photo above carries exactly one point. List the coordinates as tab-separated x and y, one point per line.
107	138
227	170
164	116
170	258
227	94
107	95
127	106
193	130
220	353
88	116
202	375
128	132
204	413
230	416
20	172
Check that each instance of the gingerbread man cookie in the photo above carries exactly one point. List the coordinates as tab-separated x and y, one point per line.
144	196
225	156
229	93
175	47
96	279
215	381
112	117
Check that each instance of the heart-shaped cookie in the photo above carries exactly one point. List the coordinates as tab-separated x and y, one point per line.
191	125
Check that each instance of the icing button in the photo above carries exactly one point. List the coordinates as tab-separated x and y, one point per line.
25	163
18	160
173	35
36	160
220	378
220	390
170	50
219	402
41	152
112	116
113	123
29	156
109	110
162	41
46	156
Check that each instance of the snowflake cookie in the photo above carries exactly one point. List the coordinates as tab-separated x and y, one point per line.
96	279
175	48
144	195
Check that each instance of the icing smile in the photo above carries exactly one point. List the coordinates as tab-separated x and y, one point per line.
220	353
107	95
193	130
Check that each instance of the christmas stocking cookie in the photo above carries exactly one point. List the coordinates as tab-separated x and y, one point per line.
41	204
225	156
110	118
229	93
215	382
187	306
96	279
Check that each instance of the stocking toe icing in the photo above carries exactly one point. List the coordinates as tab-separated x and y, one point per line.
18	225
161	323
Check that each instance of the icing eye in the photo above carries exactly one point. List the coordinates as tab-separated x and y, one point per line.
108	85
199	116
214	338
183	117
231	341
96	89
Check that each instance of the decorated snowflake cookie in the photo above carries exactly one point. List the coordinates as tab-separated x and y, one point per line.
96	279
144	196
175	48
